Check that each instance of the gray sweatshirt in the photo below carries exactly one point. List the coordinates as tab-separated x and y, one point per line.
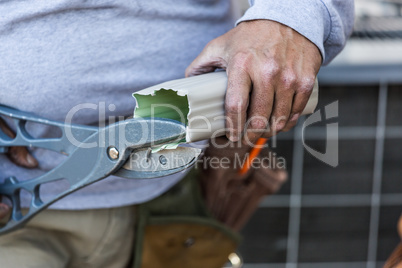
55	55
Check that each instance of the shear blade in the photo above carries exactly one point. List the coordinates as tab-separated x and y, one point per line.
143	164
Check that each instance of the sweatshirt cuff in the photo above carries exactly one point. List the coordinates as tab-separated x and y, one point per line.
310	18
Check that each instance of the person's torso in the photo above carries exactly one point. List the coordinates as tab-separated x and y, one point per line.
55	55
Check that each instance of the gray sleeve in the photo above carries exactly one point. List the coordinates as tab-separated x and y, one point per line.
326	23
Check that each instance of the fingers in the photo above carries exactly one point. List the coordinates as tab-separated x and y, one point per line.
4	209
299	103
21	157
236	102
18	155
284	93
274	63
303	93
208	60
261	102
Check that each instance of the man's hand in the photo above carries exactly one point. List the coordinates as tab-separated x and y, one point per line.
271	72
19	156
230	197
4	209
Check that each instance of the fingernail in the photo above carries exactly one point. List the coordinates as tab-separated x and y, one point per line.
31	161
280	126
294	117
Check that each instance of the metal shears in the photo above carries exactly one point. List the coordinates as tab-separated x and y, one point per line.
122	149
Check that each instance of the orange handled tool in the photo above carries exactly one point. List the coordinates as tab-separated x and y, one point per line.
253	154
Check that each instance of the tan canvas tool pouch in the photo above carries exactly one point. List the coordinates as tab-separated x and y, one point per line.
175	230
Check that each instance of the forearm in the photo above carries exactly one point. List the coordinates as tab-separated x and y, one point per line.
326	23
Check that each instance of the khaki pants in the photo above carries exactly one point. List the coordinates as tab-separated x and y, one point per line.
60	238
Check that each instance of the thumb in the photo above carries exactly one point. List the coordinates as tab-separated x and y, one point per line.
210	58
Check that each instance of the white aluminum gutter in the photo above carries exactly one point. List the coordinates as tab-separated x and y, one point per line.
197	101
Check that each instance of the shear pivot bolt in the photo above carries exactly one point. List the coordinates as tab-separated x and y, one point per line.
113	153
162	160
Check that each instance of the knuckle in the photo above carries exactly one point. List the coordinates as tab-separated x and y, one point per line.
271	69
235	105
289	79
306	84
258	123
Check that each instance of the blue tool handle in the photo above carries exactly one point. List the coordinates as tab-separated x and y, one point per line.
88	161
63	144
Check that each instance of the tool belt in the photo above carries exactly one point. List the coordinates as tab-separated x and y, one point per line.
175	230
